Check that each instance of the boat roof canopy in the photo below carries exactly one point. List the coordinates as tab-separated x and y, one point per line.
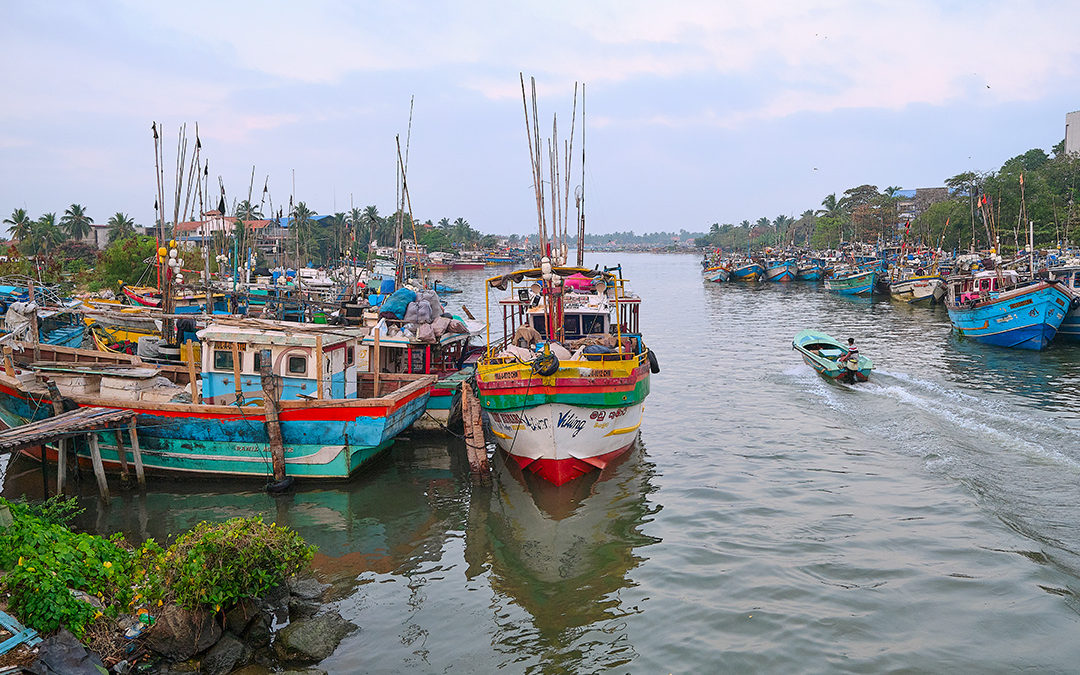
501	282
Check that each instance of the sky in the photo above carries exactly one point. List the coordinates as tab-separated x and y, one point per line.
695	112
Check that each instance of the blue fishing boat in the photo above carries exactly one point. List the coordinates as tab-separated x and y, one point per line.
748	270
717	273
823	352
780	270
809	270
851	282
993	307
333	417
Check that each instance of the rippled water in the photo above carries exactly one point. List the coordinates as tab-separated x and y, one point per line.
928	520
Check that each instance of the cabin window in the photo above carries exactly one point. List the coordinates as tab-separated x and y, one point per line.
592	323
540	324
258	361
350	356
298	365
571	324
223	360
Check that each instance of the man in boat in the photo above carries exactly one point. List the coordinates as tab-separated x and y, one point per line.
851	361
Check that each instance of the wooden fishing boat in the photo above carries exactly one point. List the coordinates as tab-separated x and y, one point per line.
917	288
851	282
994	307
332	418
144	296
809	270
780	270
564	416
746	270
717	273
822	352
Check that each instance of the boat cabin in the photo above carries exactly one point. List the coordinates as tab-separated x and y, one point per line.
312	364
981	285
1069	275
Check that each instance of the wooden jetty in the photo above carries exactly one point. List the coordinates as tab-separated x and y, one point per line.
64	426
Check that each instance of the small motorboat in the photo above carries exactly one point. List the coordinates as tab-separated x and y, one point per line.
823	353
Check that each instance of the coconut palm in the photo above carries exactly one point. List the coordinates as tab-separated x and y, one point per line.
44	235
302	223
245	210
75	222
20	222
121	226
832	207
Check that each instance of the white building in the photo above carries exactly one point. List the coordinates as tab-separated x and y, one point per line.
1072	133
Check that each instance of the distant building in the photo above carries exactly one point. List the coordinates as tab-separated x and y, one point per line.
911	203
1072	133
98	236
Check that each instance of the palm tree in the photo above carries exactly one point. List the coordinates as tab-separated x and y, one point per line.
44	235
75	222
302	222
20	222
245	210
833	208
121	226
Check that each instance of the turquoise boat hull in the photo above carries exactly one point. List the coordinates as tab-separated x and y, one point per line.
1027	318
822	353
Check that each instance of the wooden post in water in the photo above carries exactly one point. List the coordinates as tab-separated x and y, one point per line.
475	446
236	371
34	329
271	396
319	365
139	474
377	364
196	398
99	468
122	455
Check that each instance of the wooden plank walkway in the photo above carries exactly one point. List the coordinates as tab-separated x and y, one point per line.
64	426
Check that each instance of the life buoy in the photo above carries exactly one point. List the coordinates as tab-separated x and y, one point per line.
546	365
654	365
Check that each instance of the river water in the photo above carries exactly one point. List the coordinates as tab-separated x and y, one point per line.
768	521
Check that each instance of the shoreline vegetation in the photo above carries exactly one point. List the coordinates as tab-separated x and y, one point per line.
214	594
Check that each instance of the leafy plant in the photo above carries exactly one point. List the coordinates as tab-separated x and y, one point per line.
215	565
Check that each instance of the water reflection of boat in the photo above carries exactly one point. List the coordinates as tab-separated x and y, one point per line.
562	553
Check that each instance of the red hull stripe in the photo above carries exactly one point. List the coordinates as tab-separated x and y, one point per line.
560	471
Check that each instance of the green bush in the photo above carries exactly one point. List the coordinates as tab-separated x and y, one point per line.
47	566
215	565
44	559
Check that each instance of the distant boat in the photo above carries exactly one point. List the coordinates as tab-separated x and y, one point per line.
808	270
443	289
822	353
717	273
850	282
780	270
917	288
749	270
991	306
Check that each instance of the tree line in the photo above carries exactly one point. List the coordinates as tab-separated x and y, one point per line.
978	211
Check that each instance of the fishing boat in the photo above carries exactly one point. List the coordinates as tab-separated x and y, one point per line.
822	352
470	260
851	281
564	387
780	270
911	286
1069	275
809	270
717	273
746	270
995	307
331	418
143	296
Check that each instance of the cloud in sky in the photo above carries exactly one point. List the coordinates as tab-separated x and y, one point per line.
694	87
